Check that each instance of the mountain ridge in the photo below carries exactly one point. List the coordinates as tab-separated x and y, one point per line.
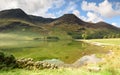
14	13
69	23
66	18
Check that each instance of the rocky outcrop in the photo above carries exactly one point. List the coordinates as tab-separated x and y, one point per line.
30	64
88	59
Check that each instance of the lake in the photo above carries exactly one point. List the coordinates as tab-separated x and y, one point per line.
66	50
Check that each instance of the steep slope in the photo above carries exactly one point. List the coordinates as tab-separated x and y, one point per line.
72	20
105	25
68	19
14	20
37	19
14	14
21	15
68	24
77	28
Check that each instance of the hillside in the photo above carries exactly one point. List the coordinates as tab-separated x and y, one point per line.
68	19
21	15
67	25
14	14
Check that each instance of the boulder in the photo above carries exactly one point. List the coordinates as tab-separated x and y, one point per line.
87	59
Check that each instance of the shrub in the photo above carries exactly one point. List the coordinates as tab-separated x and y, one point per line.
1	57
37	38
52	38
7	61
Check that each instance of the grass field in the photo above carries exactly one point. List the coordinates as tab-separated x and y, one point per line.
112	41
54	72
112	62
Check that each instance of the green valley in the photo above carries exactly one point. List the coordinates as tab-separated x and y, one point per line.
34	45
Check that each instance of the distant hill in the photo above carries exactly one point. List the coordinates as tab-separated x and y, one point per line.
68	24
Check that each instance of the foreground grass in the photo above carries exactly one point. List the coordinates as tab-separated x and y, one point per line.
112	57
114	41
53	72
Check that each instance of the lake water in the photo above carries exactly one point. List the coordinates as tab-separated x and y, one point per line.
66	50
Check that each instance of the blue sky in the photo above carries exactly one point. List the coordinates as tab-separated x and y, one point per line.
87	10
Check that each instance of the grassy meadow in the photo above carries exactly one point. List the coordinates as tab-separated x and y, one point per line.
24	38
111	62
67	71
113	41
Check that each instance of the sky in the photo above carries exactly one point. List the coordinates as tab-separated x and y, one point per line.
87	10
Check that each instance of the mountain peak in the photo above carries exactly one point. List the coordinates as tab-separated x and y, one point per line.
69	19
101	22
70	15
13	13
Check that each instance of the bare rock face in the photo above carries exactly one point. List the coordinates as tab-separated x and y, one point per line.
88	59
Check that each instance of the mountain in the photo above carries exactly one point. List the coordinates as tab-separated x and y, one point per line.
105	25
68	19
38	19
16	20
14	14
21	15
78	29
71	19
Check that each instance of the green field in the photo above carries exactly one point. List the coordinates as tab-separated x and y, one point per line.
54	72
24	37
112	41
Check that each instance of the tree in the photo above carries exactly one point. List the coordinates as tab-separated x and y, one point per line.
84	36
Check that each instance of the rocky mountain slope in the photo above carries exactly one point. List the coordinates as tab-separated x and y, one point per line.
69	24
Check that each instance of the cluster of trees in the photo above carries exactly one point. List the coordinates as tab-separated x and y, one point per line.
52	38
48	38
95	35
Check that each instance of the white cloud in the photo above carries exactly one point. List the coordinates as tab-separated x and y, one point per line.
93	17
114	24
59	3
71	7
36	7
104	9
7	4
117	6
77	13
